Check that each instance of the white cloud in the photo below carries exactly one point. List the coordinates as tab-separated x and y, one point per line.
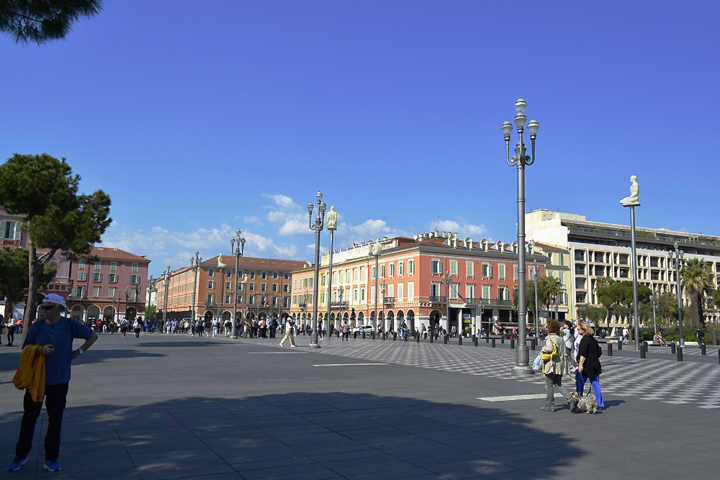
283	201
294	226
290	218
164	247
457	227
371	228
253	220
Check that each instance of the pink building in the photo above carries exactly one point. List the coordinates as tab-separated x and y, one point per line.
110	285
11	235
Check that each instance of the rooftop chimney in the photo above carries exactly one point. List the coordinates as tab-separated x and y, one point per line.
484	244
468	243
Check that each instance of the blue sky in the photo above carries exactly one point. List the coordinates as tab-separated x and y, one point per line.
201	121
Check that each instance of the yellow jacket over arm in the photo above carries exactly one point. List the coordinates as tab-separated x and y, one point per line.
31	372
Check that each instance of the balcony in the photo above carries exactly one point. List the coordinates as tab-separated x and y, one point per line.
388	301
436	299
341	304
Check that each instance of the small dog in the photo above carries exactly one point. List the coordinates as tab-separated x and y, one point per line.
586	403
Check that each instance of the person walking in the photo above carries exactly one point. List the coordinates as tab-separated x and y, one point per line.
54	334
289	334
10	330
588	359
137	328
346	332
554	366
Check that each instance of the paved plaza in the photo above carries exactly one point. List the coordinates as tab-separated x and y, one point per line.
182	407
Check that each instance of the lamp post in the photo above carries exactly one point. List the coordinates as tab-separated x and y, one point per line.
195	265
653	301
237	246
331	226
447	278
521	160
316	226
535	288
167	287
376	250
678	256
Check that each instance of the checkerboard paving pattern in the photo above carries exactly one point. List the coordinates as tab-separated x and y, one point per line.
656	379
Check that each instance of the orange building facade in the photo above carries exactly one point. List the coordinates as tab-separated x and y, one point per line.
430	279
263	289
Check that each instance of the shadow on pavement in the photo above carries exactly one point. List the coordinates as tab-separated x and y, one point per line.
182	343
9	363
300	436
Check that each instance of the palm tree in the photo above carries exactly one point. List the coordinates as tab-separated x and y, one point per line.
548	290
697	279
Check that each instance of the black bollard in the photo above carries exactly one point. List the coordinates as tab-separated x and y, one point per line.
445	339
372	335
643	352
702	349
394	336
431	338
417	337
487	339
363	335
502	339
460	340
672	348
512	344
679	353
475	341
493	343
355	335
609	345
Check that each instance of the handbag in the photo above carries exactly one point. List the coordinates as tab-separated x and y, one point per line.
538	362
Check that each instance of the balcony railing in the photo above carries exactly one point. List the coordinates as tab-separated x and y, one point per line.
389	301
339	304
437	299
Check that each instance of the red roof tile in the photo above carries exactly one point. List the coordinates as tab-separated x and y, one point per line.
252	263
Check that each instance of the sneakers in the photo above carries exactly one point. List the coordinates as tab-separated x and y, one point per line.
17	464
52	466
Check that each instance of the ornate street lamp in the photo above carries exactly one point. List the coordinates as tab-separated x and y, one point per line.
195	266
376	250
331	226
165	302
678	256
237	246
316	226
631	202
521	160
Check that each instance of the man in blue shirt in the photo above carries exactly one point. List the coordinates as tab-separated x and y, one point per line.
55	334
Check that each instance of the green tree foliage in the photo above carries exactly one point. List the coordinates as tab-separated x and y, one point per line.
42	20
151	313
14	275
548	290
696	277
591	313
716	298
617	296
57	218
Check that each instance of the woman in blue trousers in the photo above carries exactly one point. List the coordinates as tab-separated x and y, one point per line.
589	368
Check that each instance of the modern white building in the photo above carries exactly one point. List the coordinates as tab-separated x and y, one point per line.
603	250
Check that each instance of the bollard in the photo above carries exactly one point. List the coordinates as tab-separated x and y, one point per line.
417	337
620	344
445	339
512	344
533	344
502	339
609	345
487	339
394	336
643	352
493	343
475	341
702	349
679	353
363	335
372	335
355	335
431	338
460	340
672	348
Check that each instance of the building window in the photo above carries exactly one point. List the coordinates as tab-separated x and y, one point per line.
239	299
382	271
469	269
400	291
113	278
210	298
373	273
98	266
111	292
228	285
134	279
391	270
435	289
286	288
501	271
228	299
502	293
134	267
132	295
211	284
453	290
486	270
411	267
11	230
113	266
411	291
275	275
252	275
515	272
263	276
436	266
453	267
251	300
401	269
287	302
362	294
82	276
469	290
80	292
286	276
97	277
228	273
275	287
356	276
211	273
252	287
263	287
81	265
486	292
96	291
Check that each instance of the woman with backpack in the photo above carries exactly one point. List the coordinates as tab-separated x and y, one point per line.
554	366
588	359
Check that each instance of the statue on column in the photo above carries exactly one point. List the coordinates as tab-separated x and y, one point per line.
332	219
634	199
377	248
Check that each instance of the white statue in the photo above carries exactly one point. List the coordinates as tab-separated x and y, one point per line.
377	248
634	199
332	219
221	265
